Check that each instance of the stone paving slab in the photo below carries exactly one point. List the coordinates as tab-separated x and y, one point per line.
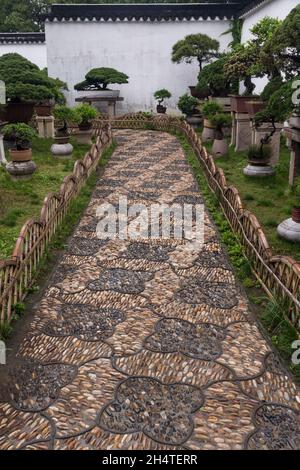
147	344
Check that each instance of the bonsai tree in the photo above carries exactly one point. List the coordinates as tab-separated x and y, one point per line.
246	61
85	114
26	83
220	120
284	51
160	96
210	109
259	154
100	78
213	81
198	47
21	134
187	104
65	116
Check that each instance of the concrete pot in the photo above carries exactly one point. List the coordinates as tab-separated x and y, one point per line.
21	170
289	230
84	137
194	121
220	147
259	171
20	155
62	150
209	131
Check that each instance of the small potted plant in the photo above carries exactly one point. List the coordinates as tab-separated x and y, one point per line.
210	109
98	80
86	114
259	156
21	135
220	145
188	106
21	165
160	96
65	116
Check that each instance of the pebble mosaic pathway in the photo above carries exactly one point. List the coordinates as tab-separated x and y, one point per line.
147	344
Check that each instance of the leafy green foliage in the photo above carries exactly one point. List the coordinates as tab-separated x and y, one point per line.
220	120
187	104
272	86
26	83
161	95
20	133
100	78
86	113
259	152
210	109
195	46
212	80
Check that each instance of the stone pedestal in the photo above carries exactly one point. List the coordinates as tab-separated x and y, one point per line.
293	135
243	132
259	171
261	132
3	160
45	125
21	170
62	150
289	230
233	130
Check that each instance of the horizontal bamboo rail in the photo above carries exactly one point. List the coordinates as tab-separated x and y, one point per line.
279	275
17	273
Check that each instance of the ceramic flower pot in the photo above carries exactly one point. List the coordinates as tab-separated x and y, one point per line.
20	155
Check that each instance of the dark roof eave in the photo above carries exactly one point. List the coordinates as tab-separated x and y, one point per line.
22	38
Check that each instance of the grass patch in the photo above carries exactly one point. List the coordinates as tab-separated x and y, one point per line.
270	199
270	313
22	200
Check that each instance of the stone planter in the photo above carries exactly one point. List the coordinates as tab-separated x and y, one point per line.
289	230
238	103
259	171
294	122
99	94
254	106
197	94
220	147
209	131
21	170
20	155
43	110
62	147
84	136
194	121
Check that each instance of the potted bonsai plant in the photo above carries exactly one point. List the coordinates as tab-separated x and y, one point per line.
98	80
86	114
259	156
26	86
220	145
65	116
188	106
160	96
215	84
198	47
209	110
21	136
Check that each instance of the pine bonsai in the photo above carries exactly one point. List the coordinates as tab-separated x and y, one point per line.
213	81
86	114
195	46
100	78
21	134
187	104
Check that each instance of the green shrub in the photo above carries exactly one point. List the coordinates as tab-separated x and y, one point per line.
86	113
210	109
187	104
26	83
20	133
212	80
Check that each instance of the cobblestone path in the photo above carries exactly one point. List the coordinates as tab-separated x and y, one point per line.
147	344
